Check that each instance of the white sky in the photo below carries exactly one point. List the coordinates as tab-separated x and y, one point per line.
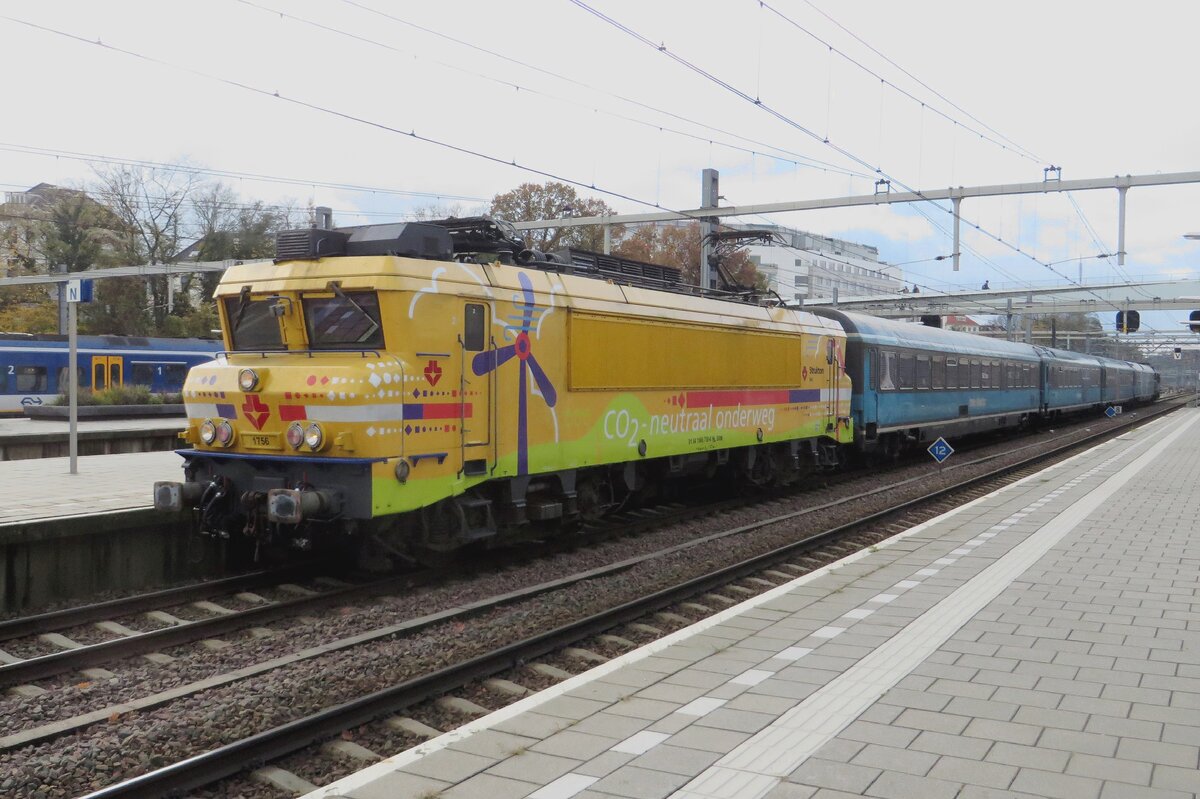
1100	88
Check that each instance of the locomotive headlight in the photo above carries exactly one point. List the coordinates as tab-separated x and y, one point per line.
248	380
224	433
314	437
295	435
208	431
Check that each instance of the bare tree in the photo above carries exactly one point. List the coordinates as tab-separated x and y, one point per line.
151	204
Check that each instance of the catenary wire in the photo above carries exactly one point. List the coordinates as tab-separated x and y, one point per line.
28	149
1078	210
662	48
923	84
805	159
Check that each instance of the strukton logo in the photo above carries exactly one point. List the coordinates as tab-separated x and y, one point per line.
256	411
433	373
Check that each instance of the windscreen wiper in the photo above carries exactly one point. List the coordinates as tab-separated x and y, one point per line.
243	303
370	331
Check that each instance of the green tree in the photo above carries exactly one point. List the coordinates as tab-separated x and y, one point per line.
553	200
78	233
233	230
60	228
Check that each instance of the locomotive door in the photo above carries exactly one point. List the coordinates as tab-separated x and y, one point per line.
831	385
475	390
107	371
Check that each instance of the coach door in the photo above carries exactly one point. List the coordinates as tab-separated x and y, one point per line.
107	371
475	390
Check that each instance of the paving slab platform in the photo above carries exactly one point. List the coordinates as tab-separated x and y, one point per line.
40	496
22	438
1042	641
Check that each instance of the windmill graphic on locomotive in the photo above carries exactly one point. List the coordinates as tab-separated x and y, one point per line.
418	387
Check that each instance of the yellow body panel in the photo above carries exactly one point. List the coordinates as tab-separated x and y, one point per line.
616	352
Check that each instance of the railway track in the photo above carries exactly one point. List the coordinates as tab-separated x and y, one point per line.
748	575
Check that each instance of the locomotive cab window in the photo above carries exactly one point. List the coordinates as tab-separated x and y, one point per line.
251	324
474	325
346	320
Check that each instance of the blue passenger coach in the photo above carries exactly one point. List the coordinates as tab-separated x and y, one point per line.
914	383
1073	381
33	369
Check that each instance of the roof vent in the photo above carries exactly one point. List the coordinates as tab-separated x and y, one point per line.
308	243
408	239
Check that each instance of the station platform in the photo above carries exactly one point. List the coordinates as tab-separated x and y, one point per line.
43	490
1042	641
22	438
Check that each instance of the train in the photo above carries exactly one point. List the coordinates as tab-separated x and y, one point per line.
417	388
34	368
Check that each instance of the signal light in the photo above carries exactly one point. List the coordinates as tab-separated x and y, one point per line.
314	437
1128	321
224	433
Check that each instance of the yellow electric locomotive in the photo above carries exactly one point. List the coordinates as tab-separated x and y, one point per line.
426	385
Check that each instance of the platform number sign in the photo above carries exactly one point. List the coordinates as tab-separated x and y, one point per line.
940	450
1113	410
79	291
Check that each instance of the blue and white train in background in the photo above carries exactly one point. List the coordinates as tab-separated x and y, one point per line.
33	368
914	384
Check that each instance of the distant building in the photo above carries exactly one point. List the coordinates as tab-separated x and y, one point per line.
963	324
805	266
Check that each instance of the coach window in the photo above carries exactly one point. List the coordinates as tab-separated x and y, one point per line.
887	375
923	372
30	380
62	378
996	374
907	369
976	373
951	373
939	372
143	373
174	374
473	327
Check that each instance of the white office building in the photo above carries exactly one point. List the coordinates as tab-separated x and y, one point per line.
803	266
